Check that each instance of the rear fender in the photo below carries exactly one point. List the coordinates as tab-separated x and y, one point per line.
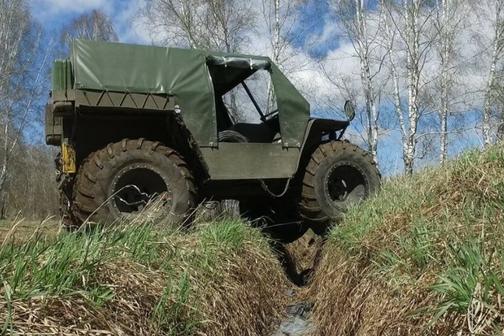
97	127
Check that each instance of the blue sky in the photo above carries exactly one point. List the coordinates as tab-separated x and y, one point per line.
54	14
310	16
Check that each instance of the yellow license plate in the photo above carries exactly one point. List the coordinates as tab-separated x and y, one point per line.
68	158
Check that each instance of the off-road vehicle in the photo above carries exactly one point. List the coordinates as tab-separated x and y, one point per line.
137	123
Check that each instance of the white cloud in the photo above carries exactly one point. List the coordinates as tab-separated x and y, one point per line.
45	8
123	13
131	28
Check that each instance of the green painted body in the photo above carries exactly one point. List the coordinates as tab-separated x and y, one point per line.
115	81
236	161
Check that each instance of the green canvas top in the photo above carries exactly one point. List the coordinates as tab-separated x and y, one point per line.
184	74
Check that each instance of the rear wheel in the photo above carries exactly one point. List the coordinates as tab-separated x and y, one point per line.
125	177
337	176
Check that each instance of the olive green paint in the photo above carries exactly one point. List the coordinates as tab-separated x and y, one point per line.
235	161
294	110
146	69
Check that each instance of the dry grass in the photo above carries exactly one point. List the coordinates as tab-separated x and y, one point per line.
21	229
425	257
219	279
303	251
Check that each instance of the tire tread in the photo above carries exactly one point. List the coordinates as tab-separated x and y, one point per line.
86	188
310	208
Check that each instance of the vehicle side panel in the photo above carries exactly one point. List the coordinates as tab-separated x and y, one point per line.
241	161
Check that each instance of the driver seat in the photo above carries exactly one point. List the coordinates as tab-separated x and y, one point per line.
260	133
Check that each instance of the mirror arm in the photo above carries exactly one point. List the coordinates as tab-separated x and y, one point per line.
342	133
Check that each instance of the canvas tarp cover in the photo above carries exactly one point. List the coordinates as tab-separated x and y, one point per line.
146	69
294	109
230	70
183	73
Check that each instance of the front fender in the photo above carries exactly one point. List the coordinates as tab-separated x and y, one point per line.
315	130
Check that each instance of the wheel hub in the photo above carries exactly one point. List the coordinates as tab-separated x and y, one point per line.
136	187
345	184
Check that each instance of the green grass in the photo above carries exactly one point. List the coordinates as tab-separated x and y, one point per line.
440	232
173	268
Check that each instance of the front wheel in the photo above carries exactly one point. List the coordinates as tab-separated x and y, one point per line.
338	175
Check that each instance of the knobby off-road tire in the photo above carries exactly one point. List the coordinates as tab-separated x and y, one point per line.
338	175
121	178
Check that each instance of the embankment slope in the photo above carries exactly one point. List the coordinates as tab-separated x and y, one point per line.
424	257
136	279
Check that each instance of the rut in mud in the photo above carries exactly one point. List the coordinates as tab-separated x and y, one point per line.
299	261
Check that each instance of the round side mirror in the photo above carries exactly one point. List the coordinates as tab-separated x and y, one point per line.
349	110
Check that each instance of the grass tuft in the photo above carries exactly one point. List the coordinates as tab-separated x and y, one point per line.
137	278
424	257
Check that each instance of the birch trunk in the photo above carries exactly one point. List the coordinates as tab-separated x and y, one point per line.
412	10
277	27
363	50
276	49
490	86
445	51
390	37
10	42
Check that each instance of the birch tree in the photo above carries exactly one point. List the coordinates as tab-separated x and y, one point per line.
447	24
355	17
211	25
94	25
389	42
276	44
277	17
497	48
408	24
14	22
412	41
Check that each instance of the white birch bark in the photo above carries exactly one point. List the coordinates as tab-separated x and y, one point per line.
363	45
390	41
412	10
445	50
497	48
276	34
448	25
406	23
356	28
276	49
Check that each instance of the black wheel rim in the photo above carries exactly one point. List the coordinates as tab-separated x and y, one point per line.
345	185
138	186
